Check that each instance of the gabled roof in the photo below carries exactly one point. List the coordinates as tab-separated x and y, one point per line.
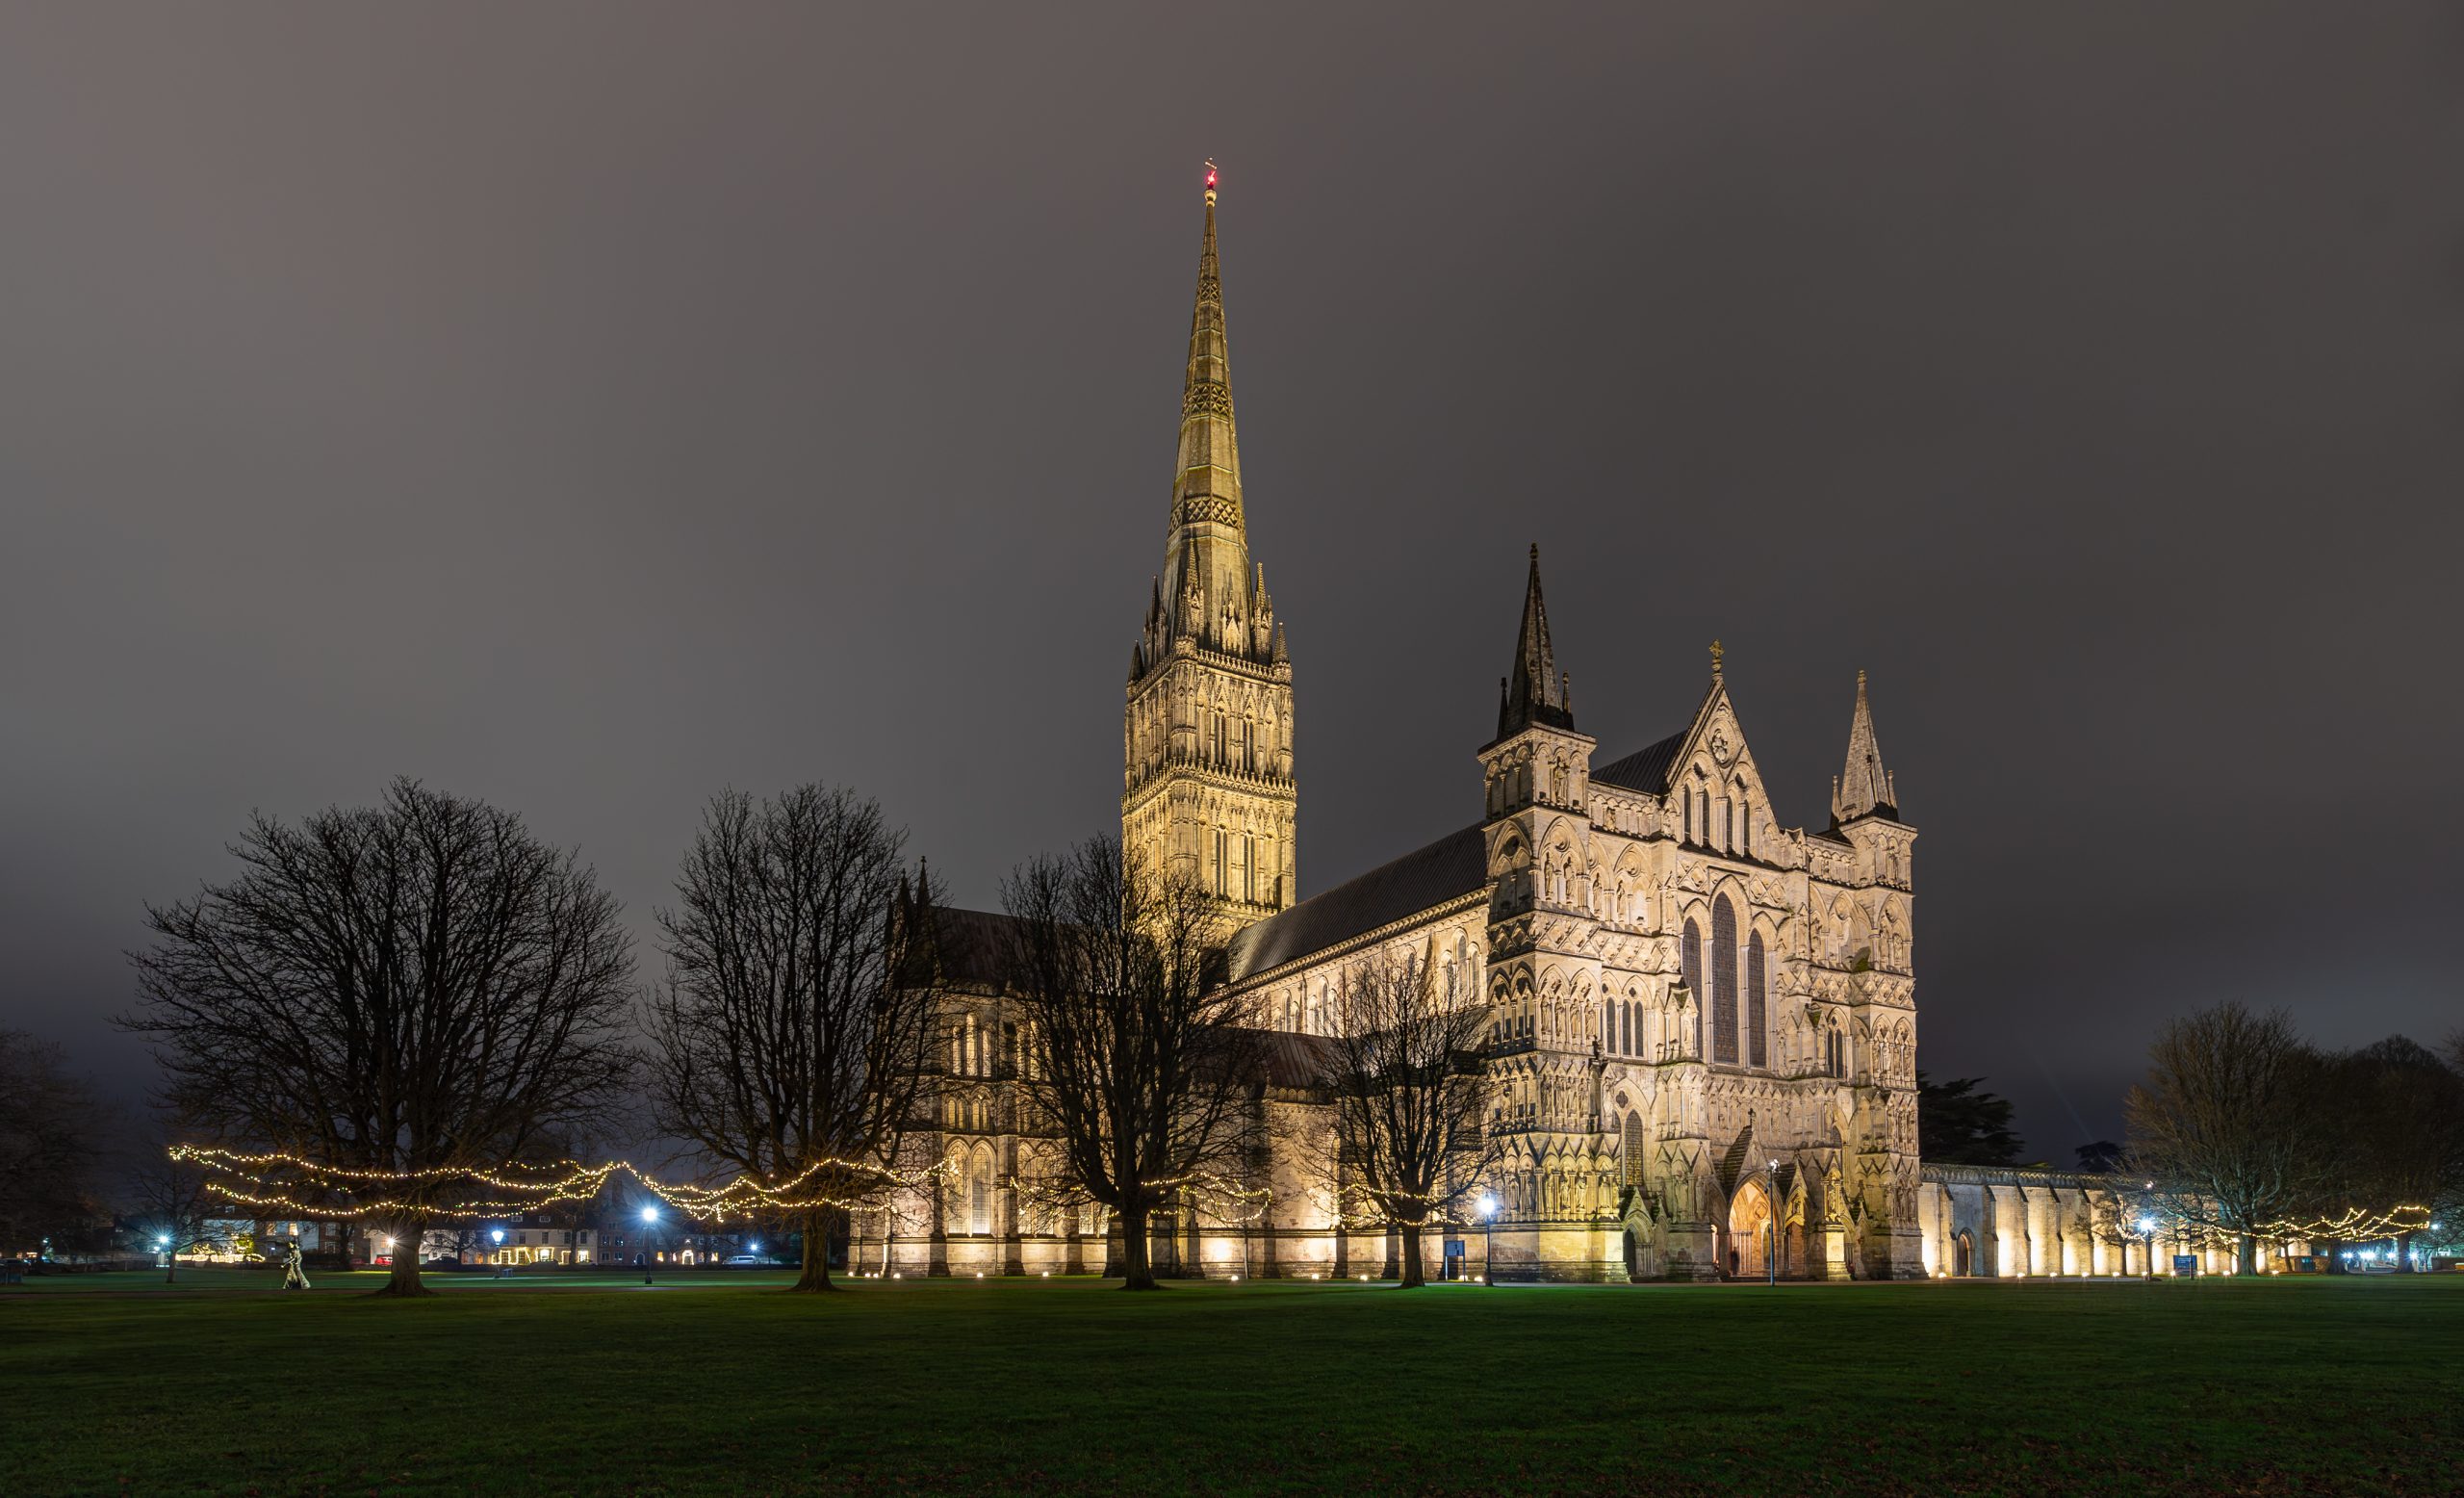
1454	865
974	945
1645	770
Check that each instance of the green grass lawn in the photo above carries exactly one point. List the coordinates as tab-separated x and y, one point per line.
723	1384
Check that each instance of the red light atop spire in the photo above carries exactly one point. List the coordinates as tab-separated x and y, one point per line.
1210	179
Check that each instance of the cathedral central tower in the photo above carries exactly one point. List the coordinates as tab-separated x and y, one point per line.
1206	782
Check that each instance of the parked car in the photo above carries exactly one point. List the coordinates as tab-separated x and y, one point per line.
745	1261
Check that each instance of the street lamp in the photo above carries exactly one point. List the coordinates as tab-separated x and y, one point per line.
649	1224
1771	1223
1488	1239
2147	1230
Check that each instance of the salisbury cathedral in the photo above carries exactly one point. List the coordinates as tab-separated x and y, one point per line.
1702	1022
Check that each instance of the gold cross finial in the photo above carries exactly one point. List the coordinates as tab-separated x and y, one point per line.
1716	654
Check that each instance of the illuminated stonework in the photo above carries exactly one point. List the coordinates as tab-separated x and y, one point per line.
1704	1021
1206	735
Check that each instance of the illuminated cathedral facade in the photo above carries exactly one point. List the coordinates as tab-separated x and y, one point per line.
1702	1021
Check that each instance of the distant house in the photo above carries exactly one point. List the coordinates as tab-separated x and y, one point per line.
559	1238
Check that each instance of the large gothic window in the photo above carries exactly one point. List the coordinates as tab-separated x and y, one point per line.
1723	1026
1758	1022
1689	954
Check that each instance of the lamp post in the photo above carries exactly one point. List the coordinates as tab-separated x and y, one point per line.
163	1245
1488	1240
2147	1231
1771	1223
650	1236
496	1235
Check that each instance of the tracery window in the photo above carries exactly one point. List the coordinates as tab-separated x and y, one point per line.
1724	1007
1756	1008
1689	954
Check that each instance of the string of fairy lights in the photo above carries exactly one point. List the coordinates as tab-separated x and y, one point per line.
283	1185
2355	1224
1226	1201
290	1185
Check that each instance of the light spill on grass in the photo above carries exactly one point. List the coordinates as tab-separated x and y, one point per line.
725	1384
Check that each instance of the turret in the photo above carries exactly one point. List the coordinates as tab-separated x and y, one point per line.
1864	787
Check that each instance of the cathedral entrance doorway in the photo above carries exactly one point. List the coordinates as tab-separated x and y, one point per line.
1750	1231
1963	1257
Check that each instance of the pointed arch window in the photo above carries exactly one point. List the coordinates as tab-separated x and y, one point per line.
1689	956
1756	1005
1724	1007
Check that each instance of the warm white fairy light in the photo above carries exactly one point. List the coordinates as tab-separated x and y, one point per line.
274	1180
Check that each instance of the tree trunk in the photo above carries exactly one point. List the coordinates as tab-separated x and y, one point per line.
405	1278
2246	1255
816	1229
1137	1250
2404	1254
1412	1279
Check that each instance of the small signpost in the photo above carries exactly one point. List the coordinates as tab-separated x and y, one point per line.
1453	1259
2186	1264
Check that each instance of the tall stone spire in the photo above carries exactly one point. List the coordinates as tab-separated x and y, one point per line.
1864	787
1534	693
1210	536
1206	734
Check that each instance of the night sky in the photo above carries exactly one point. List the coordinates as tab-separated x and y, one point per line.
588	408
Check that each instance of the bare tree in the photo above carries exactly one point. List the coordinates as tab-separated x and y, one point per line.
791	1036
50	1126
171	1197
1405	1069
2219	1119
389	1001
1139	1059
2390	1118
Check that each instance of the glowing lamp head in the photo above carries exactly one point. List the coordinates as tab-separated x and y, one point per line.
498	1234
1488	1206
2148	1224
162	1243
650	1214
755	1249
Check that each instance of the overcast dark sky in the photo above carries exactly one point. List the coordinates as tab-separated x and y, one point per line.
587	407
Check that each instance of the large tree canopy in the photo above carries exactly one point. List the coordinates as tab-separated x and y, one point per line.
388	1002
1959	1123
2220	1118
1140	1060
1405	1069
49	1141
791	1036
